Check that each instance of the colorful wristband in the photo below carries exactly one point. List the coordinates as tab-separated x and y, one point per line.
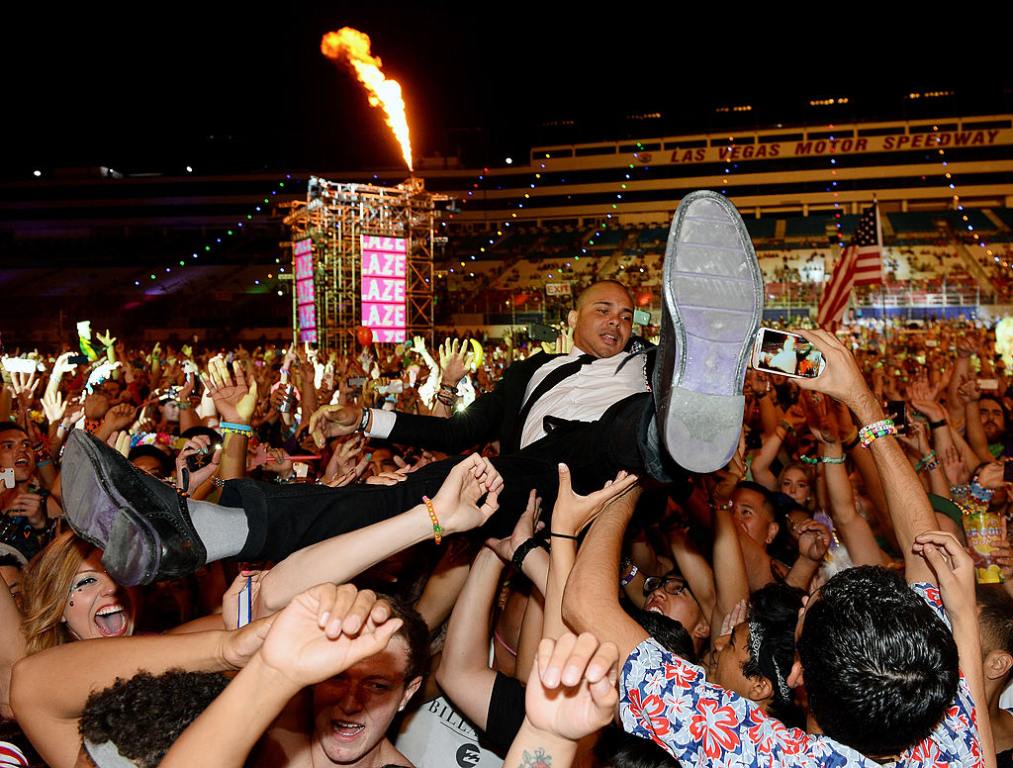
437	530
926	460
872	432
229	428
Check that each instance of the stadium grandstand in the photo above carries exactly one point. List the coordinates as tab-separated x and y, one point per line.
514	237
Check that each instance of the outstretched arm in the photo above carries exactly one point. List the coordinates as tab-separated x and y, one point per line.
320	634
464	672
49	689
591	599
343	557
910	511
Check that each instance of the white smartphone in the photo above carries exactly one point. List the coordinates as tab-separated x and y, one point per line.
988	385
786	354
7	477
19	364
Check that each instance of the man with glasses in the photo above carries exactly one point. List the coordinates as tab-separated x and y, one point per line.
671	596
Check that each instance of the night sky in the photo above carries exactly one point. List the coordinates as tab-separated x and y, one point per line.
152	88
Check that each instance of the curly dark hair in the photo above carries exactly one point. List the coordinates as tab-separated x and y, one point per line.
880	665
145	714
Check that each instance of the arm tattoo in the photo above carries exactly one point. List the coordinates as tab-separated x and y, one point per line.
539	759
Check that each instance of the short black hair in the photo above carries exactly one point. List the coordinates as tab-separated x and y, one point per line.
165	463
768	498
6	426
995	618
144	715
619	749
773	616
880	665
669	632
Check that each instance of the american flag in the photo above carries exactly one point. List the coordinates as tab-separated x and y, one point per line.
860	264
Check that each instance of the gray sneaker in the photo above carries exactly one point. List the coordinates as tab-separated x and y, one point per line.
712	302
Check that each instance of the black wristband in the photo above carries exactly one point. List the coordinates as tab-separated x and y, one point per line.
563	535
937	424
851	443
522	551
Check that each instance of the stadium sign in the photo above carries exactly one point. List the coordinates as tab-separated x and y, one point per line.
306	307
384	270
844	145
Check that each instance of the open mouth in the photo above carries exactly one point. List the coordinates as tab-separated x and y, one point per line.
111	621
21	462
345	729
610	339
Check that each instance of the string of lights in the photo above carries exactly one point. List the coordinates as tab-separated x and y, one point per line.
221	240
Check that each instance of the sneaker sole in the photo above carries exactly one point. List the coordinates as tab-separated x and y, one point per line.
713	291
101	516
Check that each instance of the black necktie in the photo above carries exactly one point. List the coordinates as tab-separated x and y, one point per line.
555	376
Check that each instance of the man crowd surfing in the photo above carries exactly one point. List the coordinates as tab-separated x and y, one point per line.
610	551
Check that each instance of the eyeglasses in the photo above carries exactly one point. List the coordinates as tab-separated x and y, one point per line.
673	585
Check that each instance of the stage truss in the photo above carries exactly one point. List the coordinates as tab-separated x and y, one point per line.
335	216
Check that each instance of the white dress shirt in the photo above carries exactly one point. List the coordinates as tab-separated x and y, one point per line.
584	396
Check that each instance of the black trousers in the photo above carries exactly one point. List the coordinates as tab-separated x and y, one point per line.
286	518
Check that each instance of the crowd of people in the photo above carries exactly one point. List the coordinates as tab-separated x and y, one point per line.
472	554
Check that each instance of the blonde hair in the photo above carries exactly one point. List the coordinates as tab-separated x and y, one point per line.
810	476
47	582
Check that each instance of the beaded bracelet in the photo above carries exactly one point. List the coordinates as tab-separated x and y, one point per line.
872	432
437	530
449	388
228	428
183	405
926	460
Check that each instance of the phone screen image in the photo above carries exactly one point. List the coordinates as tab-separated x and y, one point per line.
787	354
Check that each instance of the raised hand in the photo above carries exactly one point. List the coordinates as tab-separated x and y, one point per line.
924	399
63	365
954	466
334	421
108	341
193	447
841	378
53	405
456	503
571	690
326	630
236	400
27	504
119	417
564	342
230	600
954	570
455	360
813	540
572	512
527	526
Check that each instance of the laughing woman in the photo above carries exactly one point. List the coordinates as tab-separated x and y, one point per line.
69	596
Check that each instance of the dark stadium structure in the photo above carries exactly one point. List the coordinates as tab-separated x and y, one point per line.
130	250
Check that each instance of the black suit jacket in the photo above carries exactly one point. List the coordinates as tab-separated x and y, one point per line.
492	416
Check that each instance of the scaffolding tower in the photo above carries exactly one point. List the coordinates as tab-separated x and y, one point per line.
334	217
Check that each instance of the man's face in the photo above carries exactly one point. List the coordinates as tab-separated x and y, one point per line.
353	710
603	322
753	516
16	451
731	653
680	606
992	420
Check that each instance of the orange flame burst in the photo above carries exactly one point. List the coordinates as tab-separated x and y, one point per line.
352	46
